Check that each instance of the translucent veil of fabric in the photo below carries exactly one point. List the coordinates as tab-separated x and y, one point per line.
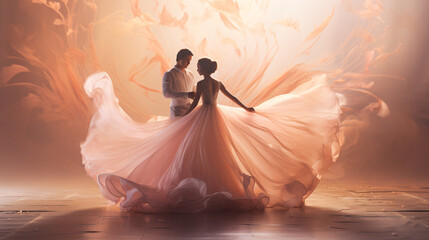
216	157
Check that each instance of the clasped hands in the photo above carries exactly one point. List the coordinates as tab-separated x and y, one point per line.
191	95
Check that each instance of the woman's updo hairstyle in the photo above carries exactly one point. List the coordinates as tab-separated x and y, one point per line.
208	65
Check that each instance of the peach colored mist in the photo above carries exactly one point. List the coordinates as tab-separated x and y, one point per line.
373	52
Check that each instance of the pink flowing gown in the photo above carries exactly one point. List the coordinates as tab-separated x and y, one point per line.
216	157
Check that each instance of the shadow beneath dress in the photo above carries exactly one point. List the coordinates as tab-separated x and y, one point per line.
110	223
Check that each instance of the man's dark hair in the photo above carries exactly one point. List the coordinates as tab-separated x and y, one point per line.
183	53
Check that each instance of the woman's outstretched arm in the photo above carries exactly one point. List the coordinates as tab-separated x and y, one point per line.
234	99
196	99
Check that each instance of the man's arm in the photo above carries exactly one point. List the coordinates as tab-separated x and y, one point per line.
194	83
196	100
166	88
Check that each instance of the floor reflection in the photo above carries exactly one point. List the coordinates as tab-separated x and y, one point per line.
109	223
332	212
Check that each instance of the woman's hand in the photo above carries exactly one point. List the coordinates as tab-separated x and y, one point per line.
250	109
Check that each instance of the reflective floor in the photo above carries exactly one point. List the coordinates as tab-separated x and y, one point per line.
336	210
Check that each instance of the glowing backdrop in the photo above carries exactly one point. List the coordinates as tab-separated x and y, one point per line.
372	51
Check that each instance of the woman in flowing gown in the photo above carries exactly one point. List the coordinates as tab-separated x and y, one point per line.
215	157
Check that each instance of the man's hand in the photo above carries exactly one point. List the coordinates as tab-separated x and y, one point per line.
191	95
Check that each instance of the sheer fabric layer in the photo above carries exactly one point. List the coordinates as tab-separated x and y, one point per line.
216	157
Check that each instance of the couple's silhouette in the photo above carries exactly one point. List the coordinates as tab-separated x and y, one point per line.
179	84
214	156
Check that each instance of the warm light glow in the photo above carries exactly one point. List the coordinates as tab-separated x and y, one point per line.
365	47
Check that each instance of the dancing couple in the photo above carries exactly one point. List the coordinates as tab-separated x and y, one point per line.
178	84
211	157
